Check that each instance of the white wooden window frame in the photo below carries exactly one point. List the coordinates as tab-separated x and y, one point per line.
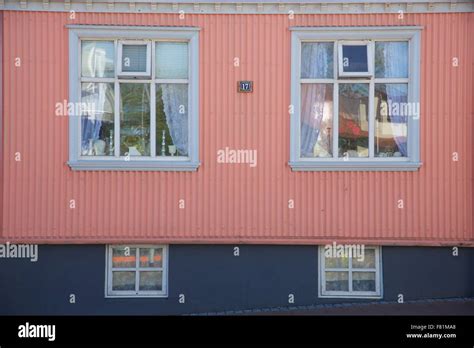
377	294
355	34
370	54
137	293
120	71
154	162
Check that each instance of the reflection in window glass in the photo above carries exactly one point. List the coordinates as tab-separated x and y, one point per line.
124	257
316	120
97	121
172	120
363	281
353	120
337	281
391	59
150	280
336	262
97	59
123	281
151	257
171	60
317	60
134	119
391	119
367	261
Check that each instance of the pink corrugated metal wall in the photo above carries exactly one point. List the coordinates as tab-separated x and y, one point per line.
235	203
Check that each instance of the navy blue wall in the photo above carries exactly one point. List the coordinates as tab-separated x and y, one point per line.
213	279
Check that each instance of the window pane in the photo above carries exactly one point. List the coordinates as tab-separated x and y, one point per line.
123	281
97	121
337	281
336	262
316	120
172	120
353	120
391	59
391	120
151	281
134	58
124	257
368	261
171	60
97	58
135	119
354	58
151	257
363	281
317	60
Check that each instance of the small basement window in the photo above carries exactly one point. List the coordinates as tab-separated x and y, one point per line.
351	275
137	271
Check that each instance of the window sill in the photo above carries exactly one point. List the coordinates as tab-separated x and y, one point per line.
354	296
350	166
121	165
137	296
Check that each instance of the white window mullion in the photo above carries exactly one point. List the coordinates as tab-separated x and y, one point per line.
176	81
335	131
109	269
153	103
153	120
137	271
117	119
322	270
371	119
378	270
350	274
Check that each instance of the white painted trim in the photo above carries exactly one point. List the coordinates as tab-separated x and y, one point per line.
410	34
348	166
109	293
378	294
116	33
245	6
361	29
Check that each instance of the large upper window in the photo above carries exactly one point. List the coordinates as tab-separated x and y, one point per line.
355	99
137	92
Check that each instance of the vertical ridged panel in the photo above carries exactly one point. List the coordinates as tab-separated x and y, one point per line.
235	203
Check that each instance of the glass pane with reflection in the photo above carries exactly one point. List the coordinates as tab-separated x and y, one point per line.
134	119
353	120
316	136
337	281
391	119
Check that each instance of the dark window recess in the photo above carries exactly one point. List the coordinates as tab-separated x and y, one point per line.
354	58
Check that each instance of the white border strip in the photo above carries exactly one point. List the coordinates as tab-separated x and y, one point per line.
243	6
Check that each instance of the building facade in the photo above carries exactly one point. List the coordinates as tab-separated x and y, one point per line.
196	157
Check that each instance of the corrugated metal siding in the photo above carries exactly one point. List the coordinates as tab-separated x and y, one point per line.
235	203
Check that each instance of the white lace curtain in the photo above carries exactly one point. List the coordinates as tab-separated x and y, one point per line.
175	102
315	58
395	65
